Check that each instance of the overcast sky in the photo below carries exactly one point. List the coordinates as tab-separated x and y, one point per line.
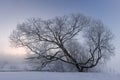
13	12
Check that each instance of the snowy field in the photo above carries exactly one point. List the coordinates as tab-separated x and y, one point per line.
57	76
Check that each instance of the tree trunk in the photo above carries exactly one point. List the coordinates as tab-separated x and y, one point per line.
78	68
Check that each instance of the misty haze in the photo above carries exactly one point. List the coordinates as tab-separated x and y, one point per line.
61	40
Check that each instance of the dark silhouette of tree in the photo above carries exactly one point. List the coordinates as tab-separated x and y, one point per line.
54	40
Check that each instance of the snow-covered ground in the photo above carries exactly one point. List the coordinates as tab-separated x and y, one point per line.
57	76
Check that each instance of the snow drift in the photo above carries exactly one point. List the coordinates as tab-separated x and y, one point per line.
57	76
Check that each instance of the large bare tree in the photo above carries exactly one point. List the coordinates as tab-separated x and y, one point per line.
55	40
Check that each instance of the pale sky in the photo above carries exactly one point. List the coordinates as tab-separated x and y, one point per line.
13	12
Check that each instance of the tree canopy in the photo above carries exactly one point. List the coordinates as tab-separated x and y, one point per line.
54	41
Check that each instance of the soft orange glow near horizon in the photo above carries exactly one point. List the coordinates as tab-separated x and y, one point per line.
17	51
